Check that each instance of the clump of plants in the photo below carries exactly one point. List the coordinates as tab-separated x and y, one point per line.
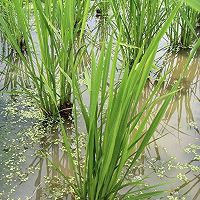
116	129
118	126
45	46
139	22
182	32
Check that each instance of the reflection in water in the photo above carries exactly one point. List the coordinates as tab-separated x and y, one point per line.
12	71
167	158
174	152
189	85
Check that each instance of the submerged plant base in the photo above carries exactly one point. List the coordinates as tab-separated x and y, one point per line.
179	48
66	110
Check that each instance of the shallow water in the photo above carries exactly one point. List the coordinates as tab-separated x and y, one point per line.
177	150
172	156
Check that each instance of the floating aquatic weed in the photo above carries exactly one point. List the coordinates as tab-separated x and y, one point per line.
182	177
192	148
54	188
172	198
194	168
22	112
20	142
159	167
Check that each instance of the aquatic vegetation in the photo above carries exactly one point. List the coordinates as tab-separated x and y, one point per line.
48	32
117	124
16	146
102	8
139	22
116	131
182	32
183	175
23	137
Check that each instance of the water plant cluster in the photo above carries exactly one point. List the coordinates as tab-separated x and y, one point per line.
182	32
70	76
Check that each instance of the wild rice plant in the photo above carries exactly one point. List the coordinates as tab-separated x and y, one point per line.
139	22
181	33
7	11
117	132
12	74
48	32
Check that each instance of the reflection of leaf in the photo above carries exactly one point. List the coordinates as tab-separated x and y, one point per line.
195	4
